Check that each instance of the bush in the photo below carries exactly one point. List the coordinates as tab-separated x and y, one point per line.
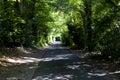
110	44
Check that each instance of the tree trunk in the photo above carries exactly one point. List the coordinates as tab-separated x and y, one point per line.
88	24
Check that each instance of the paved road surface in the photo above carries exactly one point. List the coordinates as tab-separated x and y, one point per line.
60	63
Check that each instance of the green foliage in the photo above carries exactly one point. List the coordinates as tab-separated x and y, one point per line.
109	44
97	31
106	29
23	22
93	25
77	32
10	31
67	39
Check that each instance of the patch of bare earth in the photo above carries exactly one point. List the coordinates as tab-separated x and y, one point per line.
14	57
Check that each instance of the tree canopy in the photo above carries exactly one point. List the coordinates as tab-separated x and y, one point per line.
91	25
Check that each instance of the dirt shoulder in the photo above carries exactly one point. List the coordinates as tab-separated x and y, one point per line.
25	55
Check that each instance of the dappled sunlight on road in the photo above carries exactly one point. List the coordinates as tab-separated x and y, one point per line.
97	74
56	45
24	60
12	78
60	63
103	74
60	57
32	60
54	77
71	70
73	66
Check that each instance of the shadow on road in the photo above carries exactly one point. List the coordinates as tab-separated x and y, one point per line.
61	63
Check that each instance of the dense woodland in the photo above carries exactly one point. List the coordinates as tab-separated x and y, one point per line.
89	25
